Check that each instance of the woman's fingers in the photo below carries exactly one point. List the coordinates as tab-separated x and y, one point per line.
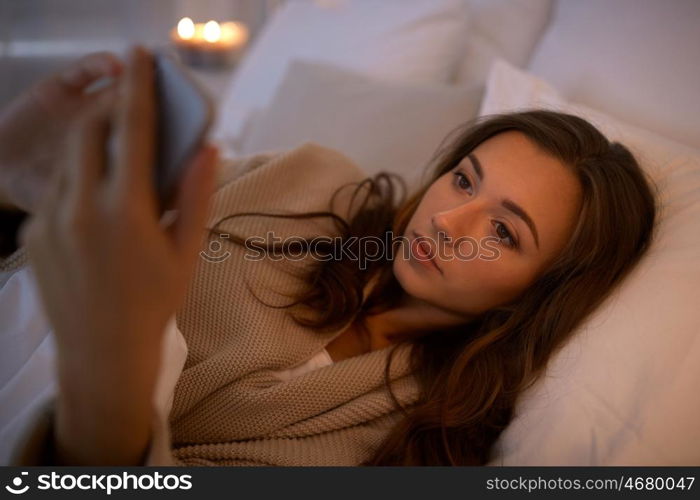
62	97
135	129
54	194
193	197
74	181
90	152
89	69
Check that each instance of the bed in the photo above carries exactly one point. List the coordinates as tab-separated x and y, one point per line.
385	83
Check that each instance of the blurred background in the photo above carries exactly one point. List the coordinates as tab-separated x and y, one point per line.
38	36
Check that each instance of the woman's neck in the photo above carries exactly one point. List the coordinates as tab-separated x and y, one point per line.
409	315
372	332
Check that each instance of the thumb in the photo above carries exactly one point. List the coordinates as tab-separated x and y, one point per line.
89	69
192	203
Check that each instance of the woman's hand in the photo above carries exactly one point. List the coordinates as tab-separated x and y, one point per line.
34	127
110	275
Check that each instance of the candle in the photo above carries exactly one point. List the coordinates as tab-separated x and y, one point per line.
210	44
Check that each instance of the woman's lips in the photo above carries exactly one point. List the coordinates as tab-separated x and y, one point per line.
421	248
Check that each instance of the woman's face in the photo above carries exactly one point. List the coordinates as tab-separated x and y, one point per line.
492	224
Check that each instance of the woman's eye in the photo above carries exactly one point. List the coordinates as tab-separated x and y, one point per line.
462	181
505	235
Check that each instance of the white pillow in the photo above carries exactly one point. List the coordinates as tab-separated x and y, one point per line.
507	29
636	59
380	125
623	391
400	40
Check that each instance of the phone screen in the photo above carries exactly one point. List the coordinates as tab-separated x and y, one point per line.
183	120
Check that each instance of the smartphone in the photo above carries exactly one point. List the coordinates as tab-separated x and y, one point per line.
184	117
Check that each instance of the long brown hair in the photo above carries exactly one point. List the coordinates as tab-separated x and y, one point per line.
471	376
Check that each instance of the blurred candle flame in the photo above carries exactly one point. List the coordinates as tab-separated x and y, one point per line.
185	28
212	32
210	44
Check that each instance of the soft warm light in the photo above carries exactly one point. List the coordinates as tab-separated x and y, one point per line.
234	33
211	44
185	28
212	32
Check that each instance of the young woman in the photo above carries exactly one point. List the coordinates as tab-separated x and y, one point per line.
526	223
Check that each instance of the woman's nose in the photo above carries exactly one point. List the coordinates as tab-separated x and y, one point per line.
456	222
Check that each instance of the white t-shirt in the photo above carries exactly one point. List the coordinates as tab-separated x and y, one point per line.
27	367
322	358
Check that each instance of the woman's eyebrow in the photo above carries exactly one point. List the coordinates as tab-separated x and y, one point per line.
477	166
507	203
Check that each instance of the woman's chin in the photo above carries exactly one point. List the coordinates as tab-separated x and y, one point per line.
411	280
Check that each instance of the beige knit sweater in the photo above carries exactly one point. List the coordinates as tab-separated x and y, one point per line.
228	408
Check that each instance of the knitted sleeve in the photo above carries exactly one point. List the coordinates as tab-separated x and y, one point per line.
231	169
